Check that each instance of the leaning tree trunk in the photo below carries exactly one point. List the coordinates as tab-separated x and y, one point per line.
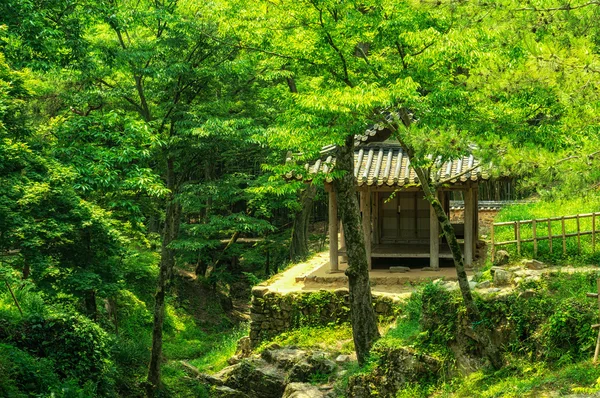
483	335
362	315
167	262
299	243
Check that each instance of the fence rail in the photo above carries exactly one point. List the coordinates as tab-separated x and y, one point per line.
549	236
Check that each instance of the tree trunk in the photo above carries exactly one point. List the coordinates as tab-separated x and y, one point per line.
483	335
299	245
167	262
90	304
362	314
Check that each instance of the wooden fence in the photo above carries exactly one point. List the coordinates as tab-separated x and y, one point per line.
538	224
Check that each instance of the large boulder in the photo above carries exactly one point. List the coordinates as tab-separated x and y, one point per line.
397	366
301	390
501	258
502	277
255	378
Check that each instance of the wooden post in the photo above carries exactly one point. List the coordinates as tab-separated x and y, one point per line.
333	232
564	238
535	243
493	246
594	232
342	243
375	218
469	213
578	236
434	239
550	235
475	193
366	199
597	351
518	234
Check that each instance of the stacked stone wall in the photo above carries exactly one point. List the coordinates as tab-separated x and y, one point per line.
273	313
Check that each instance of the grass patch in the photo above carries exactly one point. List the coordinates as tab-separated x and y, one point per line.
219	350
526	379
331	338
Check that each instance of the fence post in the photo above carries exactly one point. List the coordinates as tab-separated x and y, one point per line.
550	235
564	238
594	232
578	236
533	230
597	339
518	234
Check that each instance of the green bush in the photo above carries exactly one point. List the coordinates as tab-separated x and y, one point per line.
77	346
22	375
567	335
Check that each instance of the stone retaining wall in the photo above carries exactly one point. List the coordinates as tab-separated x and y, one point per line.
272	313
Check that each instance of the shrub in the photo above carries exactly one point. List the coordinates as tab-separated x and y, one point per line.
566	335
77	346
22	375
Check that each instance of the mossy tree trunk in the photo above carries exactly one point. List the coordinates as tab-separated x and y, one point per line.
167	262
481	334
362	314
299	244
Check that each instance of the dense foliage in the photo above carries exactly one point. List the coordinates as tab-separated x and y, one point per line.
142	145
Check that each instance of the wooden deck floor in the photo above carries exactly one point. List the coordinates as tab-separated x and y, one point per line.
408	251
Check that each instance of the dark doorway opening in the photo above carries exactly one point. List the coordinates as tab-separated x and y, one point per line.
413	263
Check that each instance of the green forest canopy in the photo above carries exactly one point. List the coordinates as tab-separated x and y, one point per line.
120	117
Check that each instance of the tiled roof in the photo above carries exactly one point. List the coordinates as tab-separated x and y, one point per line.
379	164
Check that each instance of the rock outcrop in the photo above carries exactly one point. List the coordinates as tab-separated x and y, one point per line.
277	372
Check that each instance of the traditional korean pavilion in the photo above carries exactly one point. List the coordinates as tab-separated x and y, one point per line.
397	221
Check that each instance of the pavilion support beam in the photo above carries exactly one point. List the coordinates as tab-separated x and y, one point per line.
475	217
343	250
469	218
434	239
333	232
365	200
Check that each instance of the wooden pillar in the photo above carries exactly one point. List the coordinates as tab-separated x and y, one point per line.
366	208
333	232
375	218
469	216
434	239
475	193
343	250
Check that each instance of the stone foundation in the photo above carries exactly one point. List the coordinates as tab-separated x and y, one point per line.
273	313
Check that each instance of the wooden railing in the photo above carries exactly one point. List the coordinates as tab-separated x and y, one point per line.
536	236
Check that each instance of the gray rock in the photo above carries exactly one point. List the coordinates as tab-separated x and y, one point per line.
400	365
399	269
301	390
527	293
284	358
501	258
472	284
316	363
226	392
450	285
259	291
484	284
343	359
255	378
534	264
502	277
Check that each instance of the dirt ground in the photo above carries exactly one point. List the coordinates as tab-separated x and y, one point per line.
313	275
